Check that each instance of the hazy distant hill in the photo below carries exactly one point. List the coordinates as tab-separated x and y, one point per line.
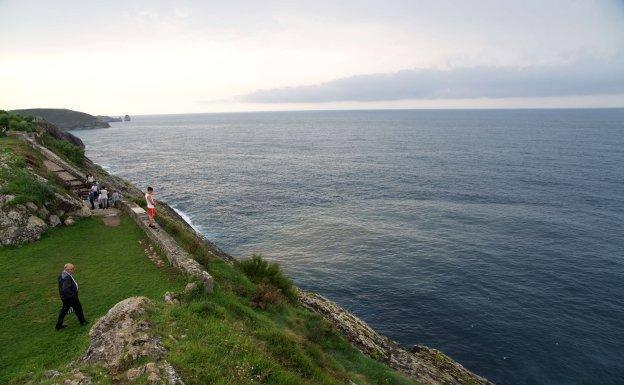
65	119
108	119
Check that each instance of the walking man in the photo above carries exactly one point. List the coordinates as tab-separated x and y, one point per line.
68	290
151	206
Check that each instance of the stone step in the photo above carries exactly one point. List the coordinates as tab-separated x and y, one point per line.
65	176
52	166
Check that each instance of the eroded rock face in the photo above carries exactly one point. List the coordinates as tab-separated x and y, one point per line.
426	365
122	337
18	224
25	223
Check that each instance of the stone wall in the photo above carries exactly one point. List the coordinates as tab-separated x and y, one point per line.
175	254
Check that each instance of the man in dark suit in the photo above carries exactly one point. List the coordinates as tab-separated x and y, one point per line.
68	290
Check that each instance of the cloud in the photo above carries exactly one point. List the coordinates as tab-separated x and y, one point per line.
583	77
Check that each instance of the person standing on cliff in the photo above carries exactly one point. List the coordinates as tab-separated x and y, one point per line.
68	290
151	206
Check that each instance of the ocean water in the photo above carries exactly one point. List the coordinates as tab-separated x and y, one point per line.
496	236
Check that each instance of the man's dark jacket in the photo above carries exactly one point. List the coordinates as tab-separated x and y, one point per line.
67	287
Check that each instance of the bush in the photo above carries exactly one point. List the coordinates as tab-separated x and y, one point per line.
73	153
261	271
16	122
266	296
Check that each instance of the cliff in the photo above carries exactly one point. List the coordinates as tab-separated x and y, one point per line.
64	119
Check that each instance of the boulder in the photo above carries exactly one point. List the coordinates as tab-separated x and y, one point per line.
54	220
6	198
78	378
83	212
190	287
66	204
121	339
51	374
34	221
43	212
121	336
18	224
32	207
69	221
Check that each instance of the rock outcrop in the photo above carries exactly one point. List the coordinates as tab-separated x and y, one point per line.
18	223
121	343
426	365
25	223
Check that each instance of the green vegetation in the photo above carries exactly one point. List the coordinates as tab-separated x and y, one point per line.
223	338
63	118
16	122
72	153
110	266
17	180
262	272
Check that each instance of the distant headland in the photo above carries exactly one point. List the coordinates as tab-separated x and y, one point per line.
69	119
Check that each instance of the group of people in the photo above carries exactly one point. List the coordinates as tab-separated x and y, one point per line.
98	195
67	285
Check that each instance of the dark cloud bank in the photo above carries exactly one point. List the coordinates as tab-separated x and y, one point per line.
588	77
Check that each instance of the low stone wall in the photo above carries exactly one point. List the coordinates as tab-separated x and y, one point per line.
175	254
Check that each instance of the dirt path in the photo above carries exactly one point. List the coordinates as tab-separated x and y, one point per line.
111	217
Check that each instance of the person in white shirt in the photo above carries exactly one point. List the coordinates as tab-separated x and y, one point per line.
151	206
103	198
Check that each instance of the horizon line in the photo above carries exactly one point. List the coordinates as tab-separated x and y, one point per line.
377	109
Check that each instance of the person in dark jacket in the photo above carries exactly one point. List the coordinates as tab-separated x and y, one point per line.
68	290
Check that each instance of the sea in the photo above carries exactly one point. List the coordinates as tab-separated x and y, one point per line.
496	236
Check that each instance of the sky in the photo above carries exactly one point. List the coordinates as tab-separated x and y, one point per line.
156	57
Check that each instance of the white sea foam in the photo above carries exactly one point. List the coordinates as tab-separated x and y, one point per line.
187	219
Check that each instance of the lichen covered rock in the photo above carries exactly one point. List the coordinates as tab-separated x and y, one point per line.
426	365
122	338
18	224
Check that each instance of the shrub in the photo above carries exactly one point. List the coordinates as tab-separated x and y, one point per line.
73	153
266	296
260	270
16	122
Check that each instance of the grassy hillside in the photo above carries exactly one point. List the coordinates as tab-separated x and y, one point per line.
63	118
110	266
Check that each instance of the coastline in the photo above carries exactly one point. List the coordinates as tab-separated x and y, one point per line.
426	365
189	252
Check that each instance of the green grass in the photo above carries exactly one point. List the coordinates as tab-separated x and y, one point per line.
222	339
15	159
110	266
18	181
